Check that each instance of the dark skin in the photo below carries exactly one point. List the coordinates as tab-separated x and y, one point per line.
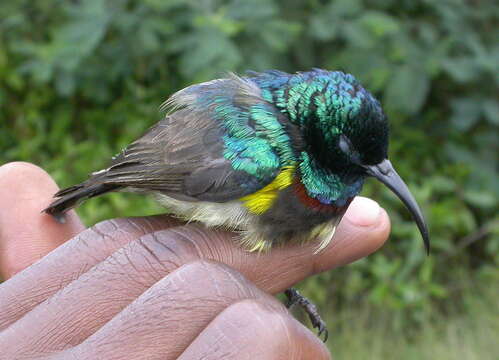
152	287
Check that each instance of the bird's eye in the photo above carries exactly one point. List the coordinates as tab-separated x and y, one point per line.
345	145
348	149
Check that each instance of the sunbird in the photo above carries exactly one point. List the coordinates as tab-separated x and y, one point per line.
275	157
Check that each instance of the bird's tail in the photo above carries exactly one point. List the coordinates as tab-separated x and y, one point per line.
72	196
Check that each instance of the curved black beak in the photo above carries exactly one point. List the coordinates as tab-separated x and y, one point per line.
385	173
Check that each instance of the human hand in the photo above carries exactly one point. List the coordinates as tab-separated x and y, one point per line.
151	287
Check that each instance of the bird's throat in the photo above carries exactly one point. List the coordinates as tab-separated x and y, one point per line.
315	204
261	201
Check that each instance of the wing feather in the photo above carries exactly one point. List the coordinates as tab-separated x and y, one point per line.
220	141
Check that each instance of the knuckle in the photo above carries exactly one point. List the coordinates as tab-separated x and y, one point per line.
217	279
178	246
200	242
172	243
113	232
267	320
163	251
211	270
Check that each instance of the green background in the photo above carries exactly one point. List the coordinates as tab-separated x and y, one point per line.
79	80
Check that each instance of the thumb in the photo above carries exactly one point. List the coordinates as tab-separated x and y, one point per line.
25	236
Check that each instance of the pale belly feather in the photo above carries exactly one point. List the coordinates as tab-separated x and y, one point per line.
231	215
234	216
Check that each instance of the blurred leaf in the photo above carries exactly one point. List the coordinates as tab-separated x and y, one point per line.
357	35
481	199
461	69
378	23
491	111
407	90
465	113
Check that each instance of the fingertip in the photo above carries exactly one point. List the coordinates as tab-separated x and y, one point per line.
381	231
27	234
314	342
259	331
366	216
363	230
363	212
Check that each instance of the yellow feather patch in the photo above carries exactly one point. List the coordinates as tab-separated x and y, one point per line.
260	201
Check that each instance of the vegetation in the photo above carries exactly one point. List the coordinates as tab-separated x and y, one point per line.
81	79
366	333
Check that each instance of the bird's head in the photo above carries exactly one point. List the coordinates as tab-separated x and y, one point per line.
344	129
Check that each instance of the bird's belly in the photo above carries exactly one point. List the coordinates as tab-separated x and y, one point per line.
231	215
283	222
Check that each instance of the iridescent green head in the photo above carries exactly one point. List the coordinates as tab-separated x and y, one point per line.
342	124
344	130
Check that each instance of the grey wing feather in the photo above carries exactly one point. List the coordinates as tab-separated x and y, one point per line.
183	155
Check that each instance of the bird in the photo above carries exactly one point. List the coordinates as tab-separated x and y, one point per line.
274	156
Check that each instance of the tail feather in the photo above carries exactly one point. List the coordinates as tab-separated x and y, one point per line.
72	196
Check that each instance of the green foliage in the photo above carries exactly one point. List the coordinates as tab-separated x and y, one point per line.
81	79
366	333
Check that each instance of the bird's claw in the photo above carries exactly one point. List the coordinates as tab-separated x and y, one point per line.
320	325
295	298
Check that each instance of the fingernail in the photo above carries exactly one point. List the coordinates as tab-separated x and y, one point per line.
363	212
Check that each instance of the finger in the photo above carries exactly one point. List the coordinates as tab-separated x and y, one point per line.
197	291
38	282
139	264
250	330
133	268
364	229
26	236
163	321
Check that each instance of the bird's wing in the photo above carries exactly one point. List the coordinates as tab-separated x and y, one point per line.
220	142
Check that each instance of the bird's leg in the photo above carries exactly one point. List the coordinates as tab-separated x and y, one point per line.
295	298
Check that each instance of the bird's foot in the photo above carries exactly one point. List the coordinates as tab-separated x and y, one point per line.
295	298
